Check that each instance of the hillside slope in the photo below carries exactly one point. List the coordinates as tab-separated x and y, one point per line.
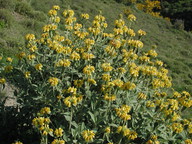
19	17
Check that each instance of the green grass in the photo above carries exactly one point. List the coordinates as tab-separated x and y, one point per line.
20	17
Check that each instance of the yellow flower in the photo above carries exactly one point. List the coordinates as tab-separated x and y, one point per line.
57	19
141	32
159	63
176	94
17	142
119	129
186	122
59	63
190	128
107	67
144	58
117	82
27	74
66	63
38	67
75	56
8	68
56	7
52	13
177	127
118	31
175	116
69	13
85	16
125	131
150	104
78	83
70	20
88	69
1	57
119	23
9	59
30	57
58	132
149	142
121	70
188	141
123	111
46	28
33	49
53	27
107	130
77	26
141	96
92	81
45	110
95	31
89	42
128	86
67	101
104	25
53	81
136	43
109	97
106	77
132	135
154	137
56	141
152	53
174	104
130	32
131	17
88	135
30	37
87	56
2	81
72	90
115	43
79	98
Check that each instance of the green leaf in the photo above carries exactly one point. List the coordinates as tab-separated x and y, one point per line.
92	116
73	123
113	125
67	117
82	126
74	141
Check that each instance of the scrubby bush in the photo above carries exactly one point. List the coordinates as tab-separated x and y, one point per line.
179	24
6	18
84	85
40	16
9	4
23	8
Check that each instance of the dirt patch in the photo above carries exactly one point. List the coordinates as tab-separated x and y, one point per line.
18	17
7	95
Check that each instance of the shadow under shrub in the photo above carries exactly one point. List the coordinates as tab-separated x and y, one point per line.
16	124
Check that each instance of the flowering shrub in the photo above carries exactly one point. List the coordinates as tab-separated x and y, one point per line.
149	6
89	86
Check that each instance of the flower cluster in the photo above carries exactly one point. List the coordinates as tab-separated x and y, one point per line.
88	135
123	111
148	6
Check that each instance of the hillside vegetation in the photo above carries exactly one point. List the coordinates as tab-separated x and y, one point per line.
19	17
